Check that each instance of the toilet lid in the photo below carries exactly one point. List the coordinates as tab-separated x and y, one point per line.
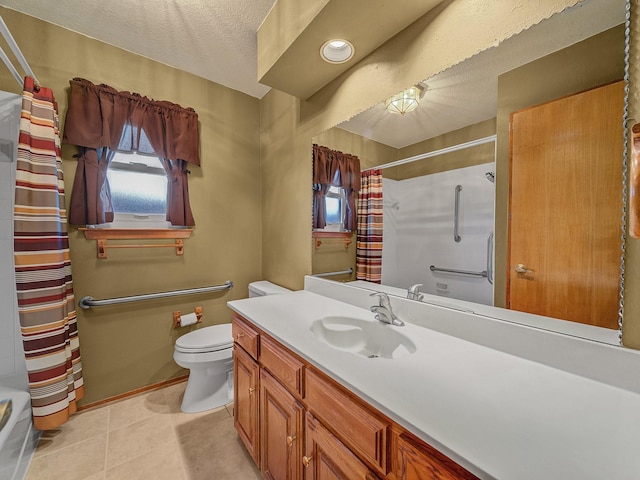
208	339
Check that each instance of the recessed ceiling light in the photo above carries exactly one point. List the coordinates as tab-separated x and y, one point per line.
337	50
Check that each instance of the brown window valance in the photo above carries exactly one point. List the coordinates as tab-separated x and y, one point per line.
334	168
101	121
337	169
100	116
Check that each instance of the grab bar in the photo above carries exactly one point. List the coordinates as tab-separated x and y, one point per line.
433	268
490	258
330	274
88	302
456	211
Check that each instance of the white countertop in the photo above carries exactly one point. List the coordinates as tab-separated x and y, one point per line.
498	415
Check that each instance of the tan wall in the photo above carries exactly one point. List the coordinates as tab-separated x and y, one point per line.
448	161
332	255
129	346
598	61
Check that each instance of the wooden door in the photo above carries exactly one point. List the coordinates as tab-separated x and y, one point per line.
245	400
565	207
326	458
281	429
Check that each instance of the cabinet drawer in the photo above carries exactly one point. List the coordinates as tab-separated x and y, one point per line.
245	336
327	458
282	365
364	432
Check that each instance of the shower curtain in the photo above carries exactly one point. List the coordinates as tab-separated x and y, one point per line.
369	237
43	265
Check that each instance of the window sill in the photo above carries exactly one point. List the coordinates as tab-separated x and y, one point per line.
102	235
319	235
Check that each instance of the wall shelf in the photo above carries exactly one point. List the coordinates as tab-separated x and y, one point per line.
103	235
319	237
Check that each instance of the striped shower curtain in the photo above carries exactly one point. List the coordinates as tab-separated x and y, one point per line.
43	266
369	238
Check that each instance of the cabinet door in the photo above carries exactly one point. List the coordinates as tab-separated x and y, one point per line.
417	461
245	400
281	431
326	458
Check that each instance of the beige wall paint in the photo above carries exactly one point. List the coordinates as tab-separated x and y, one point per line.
546	79
285	158
129	346
448	161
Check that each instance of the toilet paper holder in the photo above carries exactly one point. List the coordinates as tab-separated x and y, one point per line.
176	317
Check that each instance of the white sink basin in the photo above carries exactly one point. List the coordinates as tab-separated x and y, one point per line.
370	339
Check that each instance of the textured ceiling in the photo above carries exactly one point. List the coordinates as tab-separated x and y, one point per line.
467	93
215	40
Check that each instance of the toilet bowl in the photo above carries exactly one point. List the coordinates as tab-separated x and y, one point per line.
208	354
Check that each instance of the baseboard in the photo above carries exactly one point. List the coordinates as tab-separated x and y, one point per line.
133	393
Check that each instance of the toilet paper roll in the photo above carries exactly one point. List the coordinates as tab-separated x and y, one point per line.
188	319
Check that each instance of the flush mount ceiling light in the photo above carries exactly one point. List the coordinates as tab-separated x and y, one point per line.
337	51
405	101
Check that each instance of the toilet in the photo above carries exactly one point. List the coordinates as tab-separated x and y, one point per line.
208	354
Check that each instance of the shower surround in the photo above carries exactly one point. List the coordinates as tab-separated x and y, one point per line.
418	226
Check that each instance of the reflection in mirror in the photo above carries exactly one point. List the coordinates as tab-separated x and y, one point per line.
466	257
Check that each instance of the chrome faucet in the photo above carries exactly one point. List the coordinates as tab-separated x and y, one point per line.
413	293
383	310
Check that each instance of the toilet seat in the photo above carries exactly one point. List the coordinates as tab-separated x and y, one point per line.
205	340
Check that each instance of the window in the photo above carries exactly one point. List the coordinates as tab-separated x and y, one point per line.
138	186
336	205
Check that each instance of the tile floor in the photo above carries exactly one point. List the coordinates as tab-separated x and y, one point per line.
144	437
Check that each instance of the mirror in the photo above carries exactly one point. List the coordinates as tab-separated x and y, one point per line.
574	51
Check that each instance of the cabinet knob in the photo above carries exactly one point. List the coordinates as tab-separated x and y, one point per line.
238	335
251	390
290	439
306	461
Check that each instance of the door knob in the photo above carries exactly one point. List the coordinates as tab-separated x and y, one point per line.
306	461
521	268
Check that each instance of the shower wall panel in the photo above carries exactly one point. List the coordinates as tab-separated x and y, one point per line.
418	231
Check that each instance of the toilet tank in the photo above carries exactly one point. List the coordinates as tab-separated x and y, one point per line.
263	287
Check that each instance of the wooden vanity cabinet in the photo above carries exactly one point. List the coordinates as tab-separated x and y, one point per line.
281	431
299	424
246	374
415	460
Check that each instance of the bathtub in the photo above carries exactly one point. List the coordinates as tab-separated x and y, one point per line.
18	438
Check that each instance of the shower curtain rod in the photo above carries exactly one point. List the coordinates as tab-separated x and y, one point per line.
16	51
435	153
